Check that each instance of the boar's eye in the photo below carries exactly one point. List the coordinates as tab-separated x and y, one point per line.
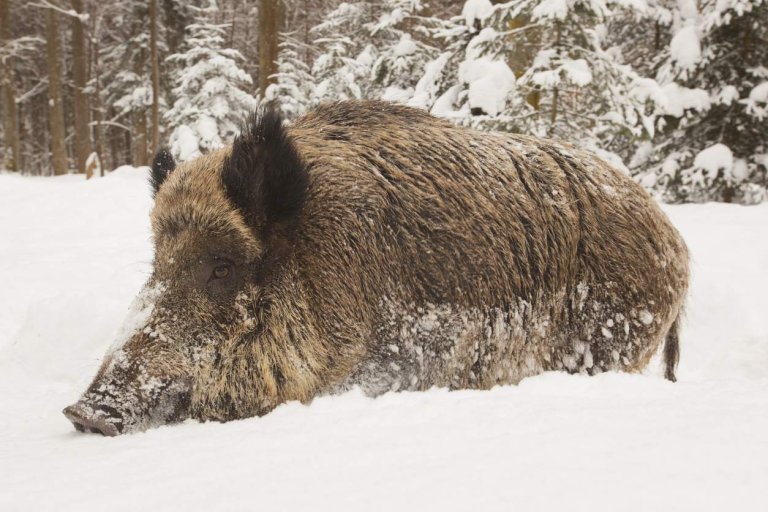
222	271
218	276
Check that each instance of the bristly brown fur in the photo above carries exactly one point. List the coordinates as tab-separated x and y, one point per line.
421	254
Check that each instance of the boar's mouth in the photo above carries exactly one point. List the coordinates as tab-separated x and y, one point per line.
89	414
104	420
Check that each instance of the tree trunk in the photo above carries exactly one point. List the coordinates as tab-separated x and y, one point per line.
8	96
114	139
128	143
522	51
55	101
140	133
155	77
556	92
174	25
140	138
80	78
97	107
270	22
232	25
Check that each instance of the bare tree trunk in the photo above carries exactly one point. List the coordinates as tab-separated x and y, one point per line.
128	144
232	24
174	25
555	93
155	77
114	139
98	114
270	22
80	78
140	138
305	26
140	133
10	112
55	101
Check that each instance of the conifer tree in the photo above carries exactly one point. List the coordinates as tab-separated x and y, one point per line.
568	83
211	90
344	60
402	48
128	80
294	83
373	50
711	141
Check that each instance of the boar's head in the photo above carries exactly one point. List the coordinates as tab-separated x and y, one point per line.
192	347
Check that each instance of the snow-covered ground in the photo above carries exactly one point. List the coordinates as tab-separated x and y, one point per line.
74	253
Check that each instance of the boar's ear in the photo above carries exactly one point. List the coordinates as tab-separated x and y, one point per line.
162	166
264	175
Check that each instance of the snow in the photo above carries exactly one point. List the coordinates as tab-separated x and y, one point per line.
490	82
75	253
184	143
406	46
687	9
678	99
740	170
713	159
727	95
553	69
759	93
443	105
396	94
93	165
476	10
427	86
757	103
559	9
138	314
555	9
577	71
685	47
672	98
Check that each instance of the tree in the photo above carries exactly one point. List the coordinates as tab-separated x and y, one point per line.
675	89
711	140
128	81
97	109
81	104
341	68
7	92
270	24
567	82
294	83
372	50
211	101
401	39
55	96
155	76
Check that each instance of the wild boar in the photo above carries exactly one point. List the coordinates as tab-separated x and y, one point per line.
373	245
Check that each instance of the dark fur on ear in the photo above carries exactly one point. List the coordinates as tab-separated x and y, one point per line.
162	166
264	175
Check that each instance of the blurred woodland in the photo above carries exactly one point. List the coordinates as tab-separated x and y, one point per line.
674	92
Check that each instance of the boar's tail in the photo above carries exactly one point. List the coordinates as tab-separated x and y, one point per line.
672	350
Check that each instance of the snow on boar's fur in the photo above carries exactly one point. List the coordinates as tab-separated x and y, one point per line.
373	245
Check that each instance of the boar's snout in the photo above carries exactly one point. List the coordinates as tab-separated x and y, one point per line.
102	420
130	408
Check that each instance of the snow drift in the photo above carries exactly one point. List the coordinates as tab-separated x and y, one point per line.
74	253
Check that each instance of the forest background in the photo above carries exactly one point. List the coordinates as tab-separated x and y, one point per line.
673	92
